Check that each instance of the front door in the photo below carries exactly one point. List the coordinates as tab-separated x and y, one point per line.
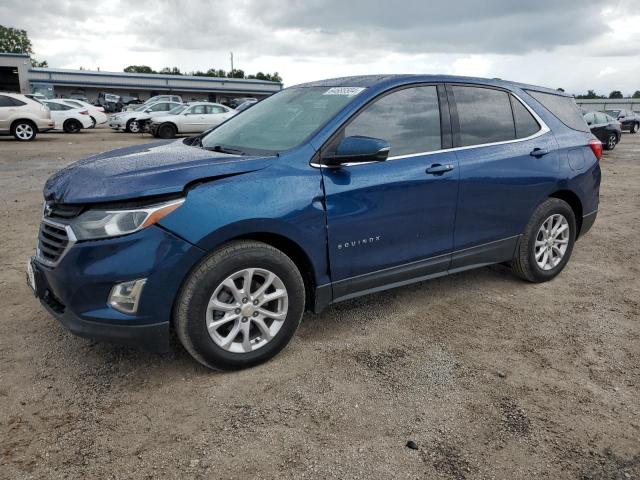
390	222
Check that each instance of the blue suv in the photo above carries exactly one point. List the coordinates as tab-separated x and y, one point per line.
323	192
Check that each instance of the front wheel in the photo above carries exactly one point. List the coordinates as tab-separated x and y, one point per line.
166	131
635	127
240	307
546	245
133	126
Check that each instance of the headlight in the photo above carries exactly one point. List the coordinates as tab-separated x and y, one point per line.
103	223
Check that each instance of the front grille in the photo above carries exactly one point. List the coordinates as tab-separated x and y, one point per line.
53	242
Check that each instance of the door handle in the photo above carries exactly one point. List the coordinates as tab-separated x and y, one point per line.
438	169
539	152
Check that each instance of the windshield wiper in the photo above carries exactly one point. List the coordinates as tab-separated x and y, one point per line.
223	149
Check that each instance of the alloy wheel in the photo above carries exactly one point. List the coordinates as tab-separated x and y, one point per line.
611	142
24	131
552	241
247	310
134	126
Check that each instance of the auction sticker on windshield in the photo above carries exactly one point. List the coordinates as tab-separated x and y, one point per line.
347	91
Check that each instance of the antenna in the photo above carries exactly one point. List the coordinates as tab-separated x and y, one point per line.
231	56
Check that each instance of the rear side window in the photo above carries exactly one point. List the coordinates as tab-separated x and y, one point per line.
564	108
484	115
409	119
526	125
5	101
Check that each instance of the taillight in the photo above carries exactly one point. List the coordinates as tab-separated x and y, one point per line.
84	112
596	147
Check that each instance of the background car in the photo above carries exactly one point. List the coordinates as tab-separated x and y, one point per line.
190	118
67	118
156	99
605	128
128	121
23	117
244	105
97	115
239	100
628	120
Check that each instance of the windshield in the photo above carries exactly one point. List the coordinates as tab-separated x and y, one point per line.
177	110
281	121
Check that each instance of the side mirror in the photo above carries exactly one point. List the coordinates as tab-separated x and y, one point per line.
358	150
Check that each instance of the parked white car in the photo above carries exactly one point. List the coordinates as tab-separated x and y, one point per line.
98	117
23	117
193	117
128	121
67	118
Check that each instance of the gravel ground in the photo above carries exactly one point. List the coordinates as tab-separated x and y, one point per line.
491	377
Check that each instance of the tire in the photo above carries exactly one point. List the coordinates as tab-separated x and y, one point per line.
612	141
133	126
72	126
524	263
166	131
635	127
24	130
194	310
93	123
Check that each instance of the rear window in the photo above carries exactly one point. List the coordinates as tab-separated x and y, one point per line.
564	108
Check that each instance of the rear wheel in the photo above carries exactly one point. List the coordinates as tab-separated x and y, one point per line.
240	307
611	142
133	126
72	126
166	131
635	127
24	130
546	245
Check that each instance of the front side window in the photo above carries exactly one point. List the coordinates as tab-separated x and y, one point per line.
160	107
54	106
484	115
409	119
283	120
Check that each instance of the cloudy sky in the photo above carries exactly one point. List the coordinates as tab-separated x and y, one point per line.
574	44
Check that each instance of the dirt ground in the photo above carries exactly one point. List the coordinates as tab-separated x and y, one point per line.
491	377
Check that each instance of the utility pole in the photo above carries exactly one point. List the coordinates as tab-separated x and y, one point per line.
231	56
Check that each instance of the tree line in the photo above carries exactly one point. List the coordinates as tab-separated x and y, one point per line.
212	72
591	94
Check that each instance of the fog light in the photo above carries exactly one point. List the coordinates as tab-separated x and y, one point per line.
124	297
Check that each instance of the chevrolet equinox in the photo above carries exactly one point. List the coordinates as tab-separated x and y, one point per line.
322	192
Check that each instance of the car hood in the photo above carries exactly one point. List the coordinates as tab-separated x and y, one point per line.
144	171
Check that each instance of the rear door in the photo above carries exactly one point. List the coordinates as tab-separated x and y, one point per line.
390	222
508	161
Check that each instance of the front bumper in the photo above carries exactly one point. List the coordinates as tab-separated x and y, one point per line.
76	291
